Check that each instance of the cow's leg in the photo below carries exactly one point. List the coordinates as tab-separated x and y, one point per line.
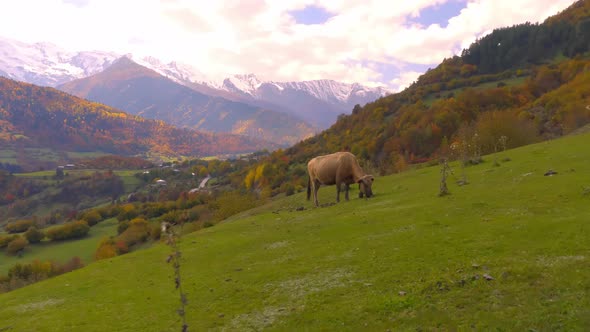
316	187
346	187
338	192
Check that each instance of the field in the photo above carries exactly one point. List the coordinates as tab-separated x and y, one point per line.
46	204
130	182
63	251
41	158
508	251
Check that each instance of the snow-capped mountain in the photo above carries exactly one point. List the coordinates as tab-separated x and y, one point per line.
142	91
47	64
178	72
318	102
329	91
243	84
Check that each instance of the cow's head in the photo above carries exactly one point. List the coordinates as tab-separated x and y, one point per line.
365	184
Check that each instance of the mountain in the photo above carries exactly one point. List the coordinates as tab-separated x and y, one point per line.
320	102
40	117
139	90
317	102
48	65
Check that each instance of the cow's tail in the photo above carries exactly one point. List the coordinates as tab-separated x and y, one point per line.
308	188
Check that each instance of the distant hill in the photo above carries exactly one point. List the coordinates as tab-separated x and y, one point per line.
39	117
138	90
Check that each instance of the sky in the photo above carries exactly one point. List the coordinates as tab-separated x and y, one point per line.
385	43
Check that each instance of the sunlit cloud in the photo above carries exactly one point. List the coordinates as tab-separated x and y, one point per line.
277	40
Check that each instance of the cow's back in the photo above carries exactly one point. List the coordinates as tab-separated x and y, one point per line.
325	168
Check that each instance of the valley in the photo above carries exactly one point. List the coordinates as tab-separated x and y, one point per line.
402	260
165	188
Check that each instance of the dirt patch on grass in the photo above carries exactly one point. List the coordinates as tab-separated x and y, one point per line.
276	245
295	290
559	260
257	320
38	305
392	232
300	287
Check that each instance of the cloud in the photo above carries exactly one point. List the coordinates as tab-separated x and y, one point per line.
404	80
232	36
77	3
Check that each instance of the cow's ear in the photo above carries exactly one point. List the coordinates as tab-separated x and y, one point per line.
372	178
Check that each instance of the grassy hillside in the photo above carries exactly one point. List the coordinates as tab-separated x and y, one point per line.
403	260
61	252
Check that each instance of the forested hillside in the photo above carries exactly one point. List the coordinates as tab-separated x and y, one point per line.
527	83
37	117
531	76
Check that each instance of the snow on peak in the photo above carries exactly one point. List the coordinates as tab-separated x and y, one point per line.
332	91
179	72
47	64
247	83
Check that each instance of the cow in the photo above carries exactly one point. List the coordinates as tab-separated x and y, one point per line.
337	168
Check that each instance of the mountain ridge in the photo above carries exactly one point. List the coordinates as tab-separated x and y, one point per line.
47	65
142	91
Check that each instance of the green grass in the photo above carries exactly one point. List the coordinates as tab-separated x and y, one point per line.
38	174
342	267
54	155
63	251
43	154
130	182
86	155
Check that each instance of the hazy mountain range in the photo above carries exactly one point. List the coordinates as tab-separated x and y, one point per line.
317	102
141	91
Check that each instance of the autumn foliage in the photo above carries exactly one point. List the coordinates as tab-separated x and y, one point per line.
526	83
70	230
18	226
16	245
24	274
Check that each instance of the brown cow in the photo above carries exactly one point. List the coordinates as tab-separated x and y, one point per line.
337	168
